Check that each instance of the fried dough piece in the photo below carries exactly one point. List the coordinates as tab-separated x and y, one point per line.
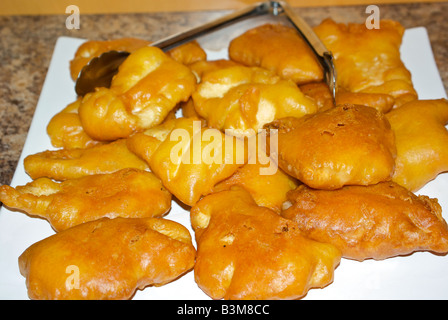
344	145
93	48
75	163
245	251
189	158
267	190
65	129
278	48
186	54
242	99
320	93
148	85
368	60
107	259
422	141
128	193
370	222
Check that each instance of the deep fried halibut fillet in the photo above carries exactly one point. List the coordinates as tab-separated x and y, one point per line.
65	129
278	48
343	145
422	141
376	221
107	259
188	157
74	163
129	193
242	99
368	60
148	85
245	251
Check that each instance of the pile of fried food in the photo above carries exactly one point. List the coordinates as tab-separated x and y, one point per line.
347	169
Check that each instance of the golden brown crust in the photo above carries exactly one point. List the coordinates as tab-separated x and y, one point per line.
148	85
107	259
249	252
129	193
368	60
278	48
376	221
66	164
343	145
422	141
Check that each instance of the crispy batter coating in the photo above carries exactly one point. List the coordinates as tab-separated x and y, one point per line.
107	259
148	85
278	48
245	251
187	53
422	141
376	221
129	193
93	48
343	145
65	129
242	99
368	60
74	163
188	157
267	190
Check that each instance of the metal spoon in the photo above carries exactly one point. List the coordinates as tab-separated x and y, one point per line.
100	70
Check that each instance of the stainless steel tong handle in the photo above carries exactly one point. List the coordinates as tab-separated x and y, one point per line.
102	69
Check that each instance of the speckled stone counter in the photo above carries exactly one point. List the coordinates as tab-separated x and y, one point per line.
27	43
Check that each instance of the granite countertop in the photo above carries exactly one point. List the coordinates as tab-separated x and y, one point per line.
27	44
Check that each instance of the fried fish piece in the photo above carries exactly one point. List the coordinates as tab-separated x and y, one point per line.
148	85
368	60
370	222
344	145
188	157
66	164
65	129
278	48
128	193
107	259
422	141
242	99
268	190
245	251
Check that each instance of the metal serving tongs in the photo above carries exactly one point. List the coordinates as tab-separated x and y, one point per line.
100	70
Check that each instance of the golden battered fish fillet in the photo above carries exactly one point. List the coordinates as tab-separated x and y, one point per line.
189	158
75	163
267	190
422	141
344	145
65	129
245	251
128	193
242	99
107	259
368	60
370	222
148	85
278	48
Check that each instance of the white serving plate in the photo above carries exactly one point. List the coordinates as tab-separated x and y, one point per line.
421	275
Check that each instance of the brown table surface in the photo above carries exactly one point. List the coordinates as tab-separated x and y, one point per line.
27	43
